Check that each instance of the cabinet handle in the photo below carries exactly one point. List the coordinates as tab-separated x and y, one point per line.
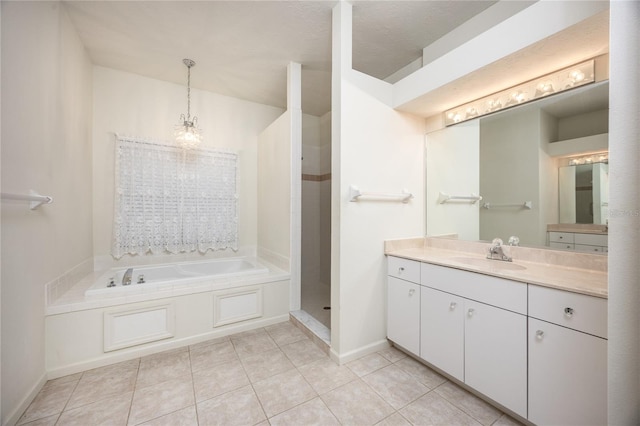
452	306
413	290
470	312
568	312
539	334
400	270
560	237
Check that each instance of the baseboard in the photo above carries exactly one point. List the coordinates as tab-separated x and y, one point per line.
358	353
15	415
160	346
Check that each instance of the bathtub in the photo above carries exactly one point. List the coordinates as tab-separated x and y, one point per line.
169	276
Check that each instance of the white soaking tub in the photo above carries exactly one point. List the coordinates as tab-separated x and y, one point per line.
150	278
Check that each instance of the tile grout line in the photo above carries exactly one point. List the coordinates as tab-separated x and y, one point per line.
68	399
249	378
295	367
133	394
193	388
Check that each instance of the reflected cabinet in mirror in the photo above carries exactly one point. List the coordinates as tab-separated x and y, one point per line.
538	168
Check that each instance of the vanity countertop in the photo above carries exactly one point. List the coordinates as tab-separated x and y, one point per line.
580	273
578	228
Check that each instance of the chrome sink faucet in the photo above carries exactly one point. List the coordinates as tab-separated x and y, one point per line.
126	278
496	251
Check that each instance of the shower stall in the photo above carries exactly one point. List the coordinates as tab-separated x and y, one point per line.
316	217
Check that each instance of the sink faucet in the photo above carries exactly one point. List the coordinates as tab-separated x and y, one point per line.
496	251
126	278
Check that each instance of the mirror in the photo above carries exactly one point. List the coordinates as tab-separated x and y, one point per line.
514	160
584	193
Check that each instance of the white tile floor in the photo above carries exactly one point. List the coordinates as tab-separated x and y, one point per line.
270	376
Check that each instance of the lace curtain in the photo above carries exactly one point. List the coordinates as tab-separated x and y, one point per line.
172	200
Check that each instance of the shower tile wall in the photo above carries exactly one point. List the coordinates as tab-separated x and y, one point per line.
316	218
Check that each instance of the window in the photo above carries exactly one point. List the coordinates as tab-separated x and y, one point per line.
171	200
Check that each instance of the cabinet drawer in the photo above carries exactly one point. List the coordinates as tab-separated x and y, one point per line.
405	269
506	294
577	311
589	248
561	246
591	239
561	237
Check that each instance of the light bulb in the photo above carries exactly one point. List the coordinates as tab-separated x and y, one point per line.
577	76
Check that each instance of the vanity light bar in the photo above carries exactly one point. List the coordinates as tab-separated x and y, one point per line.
553	83
598	157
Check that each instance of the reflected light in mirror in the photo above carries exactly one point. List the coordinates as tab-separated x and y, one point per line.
553	83
597	157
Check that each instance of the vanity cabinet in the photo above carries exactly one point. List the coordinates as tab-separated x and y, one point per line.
562	240
538	351
403	303
567	358
596	243
476	332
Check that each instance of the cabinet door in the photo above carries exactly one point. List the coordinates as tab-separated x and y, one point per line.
442	331
567	376
403	314
495	354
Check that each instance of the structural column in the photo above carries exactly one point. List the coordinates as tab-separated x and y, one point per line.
624	220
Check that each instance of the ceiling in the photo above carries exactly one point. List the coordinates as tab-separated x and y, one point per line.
242	48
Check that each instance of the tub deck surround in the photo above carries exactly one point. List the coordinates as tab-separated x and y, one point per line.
76	299
582	273
85	330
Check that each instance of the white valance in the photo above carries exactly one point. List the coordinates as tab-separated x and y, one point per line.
173	200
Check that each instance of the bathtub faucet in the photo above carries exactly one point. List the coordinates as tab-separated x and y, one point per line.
126	278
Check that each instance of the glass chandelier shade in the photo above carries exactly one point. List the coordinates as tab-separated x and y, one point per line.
188	135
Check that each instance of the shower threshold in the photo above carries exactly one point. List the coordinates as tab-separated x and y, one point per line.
313	328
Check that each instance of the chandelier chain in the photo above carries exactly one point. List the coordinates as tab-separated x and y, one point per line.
188	93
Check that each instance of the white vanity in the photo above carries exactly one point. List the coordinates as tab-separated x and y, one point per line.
578	237
529	335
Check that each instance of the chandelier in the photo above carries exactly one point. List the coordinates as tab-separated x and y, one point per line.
188	135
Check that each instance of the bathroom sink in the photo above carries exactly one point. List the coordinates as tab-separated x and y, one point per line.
495	265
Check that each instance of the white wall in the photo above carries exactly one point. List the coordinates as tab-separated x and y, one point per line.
274	192
581	125
380	151
453	167
46	146
139	106
377	149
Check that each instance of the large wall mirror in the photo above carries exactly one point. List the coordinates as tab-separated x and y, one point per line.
537	167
